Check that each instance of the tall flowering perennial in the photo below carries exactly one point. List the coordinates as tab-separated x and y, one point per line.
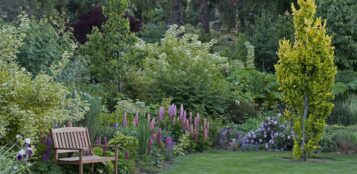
150	144
47	154
161	113
159	136
181	112
136	120
169	148
205	129
306	74
172	110
125	120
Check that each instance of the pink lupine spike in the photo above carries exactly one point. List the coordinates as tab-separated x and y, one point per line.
161	113
149	146
125	121
152	124
205	134
159	136
181	112
187	125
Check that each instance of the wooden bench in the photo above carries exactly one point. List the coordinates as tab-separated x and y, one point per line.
76	139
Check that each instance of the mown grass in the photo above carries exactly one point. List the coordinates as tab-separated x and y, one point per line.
261	162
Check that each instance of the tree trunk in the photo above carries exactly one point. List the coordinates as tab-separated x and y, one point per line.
306	109
204	15
176	15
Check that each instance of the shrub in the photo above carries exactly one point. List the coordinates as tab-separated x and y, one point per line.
44	45
29	106
346	140
182	67
272	134
345	110
128	145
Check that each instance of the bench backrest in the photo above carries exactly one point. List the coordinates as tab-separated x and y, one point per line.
70	137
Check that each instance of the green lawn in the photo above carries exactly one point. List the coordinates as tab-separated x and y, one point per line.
224	162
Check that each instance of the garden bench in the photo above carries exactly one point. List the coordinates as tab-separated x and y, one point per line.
76	139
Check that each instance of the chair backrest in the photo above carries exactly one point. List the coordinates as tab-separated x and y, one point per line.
70	137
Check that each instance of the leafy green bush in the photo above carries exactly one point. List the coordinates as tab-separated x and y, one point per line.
253	90
44	45
345	110
341	19
346	139
182	67
127	145
267	31
29	106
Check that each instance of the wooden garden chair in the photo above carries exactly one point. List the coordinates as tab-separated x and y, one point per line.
76	139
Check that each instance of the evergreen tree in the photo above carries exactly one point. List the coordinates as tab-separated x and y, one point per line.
306	74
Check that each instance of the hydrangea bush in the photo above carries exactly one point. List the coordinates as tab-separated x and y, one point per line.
272	134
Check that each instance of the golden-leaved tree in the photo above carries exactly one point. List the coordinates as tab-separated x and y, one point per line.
306	74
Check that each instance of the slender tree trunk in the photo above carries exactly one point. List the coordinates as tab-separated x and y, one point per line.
306	109
204	15
176	15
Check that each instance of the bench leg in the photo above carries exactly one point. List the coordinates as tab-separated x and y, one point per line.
116	166
80	168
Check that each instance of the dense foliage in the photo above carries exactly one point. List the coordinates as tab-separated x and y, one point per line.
342	26
117	66
29	104
182	67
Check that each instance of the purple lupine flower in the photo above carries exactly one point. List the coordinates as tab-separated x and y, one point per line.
161	113
159	136
169	144
115	125
205	133
47	154
197	121
172	110
181	112
187	125
125	121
